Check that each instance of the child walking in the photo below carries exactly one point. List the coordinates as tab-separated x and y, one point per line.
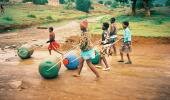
113	35
53	44
87	52
126	46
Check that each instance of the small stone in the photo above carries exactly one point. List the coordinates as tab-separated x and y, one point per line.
6	47
15	84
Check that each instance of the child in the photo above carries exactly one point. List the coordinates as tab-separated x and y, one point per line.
113	35
87	52
105	34
53	44
126	46
105	37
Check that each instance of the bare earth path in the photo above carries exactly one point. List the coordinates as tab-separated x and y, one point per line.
148	78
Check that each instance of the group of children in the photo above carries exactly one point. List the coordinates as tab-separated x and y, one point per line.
109	36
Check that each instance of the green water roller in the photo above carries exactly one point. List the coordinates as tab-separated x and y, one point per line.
49	68
25	51
96	60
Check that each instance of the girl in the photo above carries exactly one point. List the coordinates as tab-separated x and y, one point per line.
53	44
126	46
87	52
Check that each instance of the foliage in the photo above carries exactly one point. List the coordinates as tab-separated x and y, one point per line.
40	2
168	3
61	1
24	1
83	5
100	2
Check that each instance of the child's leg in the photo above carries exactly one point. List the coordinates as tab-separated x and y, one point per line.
129	60
105	62
50	52
114	48
91	66
80	67
121	55
58	52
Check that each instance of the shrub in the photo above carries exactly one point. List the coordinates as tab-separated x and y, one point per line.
41	2
83	5
61	1
24	1
168	3
31	16
108	3
100	2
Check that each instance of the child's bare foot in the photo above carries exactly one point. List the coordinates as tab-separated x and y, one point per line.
76	75
129	62
99	67
97	78
106	69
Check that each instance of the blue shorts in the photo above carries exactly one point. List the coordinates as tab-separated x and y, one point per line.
89	54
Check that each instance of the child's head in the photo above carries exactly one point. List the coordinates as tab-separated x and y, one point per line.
125	24
112	20
84	25
51	29
105	26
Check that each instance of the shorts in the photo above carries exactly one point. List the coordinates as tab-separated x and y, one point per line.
126	47
88	54
53	46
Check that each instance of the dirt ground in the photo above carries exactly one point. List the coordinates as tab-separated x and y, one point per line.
147	78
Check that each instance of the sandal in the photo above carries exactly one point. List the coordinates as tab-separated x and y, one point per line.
120	61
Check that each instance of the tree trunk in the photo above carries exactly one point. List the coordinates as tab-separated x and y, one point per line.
134	7
147	8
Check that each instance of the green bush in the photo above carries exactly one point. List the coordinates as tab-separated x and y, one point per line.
83	5
40	2
114	4
100	2
8	18
108	2
4	0
168	3
69	5
31	16
24	1
61	1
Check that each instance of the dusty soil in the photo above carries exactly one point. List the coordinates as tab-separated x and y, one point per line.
147	78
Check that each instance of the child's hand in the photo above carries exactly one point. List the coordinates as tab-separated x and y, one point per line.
48	42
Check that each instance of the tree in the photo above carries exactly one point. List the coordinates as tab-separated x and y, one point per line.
83	5
146	4
168	3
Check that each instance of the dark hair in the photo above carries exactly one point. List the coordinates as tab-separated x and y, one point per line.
126	23
106	25
51	28
112	20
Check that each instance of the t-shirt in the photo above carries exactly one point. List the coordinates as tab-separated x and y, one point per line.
127	35
105	35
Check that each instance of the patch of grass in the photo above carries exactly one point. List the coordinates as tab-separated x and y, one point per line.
31	16
8	18
83	17
49	18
